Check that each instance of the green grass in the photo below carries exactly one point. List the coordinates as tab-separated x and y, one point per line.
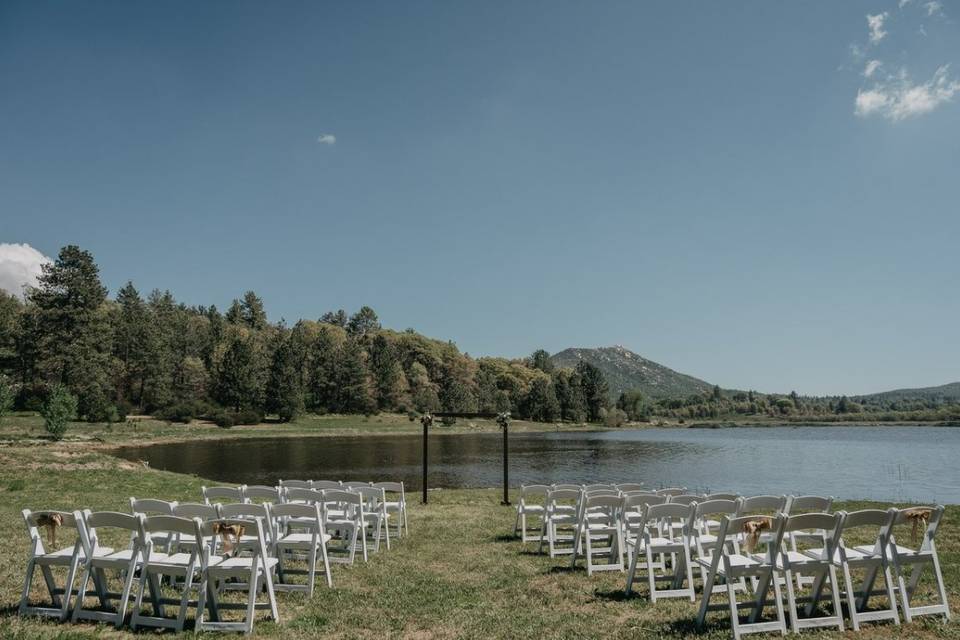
460	573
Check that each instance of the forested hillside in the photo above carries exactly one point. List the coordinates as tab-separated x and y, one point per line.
151	354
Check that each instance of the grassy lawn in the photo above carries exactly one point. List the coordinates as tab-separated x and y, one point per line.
460	573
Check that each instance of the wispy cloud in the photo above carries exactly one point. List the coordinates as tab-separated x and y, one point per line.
934	8
327	138
903	3
20	266
872	67
875	24
898	97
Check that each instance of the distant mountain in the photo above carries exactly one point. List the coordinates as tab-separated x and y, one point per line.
947	393
626	370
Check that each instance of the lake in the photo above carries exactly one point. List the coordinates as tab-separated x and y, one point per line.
879	463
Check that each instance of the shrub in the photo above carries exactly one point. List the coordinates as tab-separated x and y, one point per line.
59	409
615	418
184	411
412	416
223	419
248	416
227	419
448	421
7	395
123	409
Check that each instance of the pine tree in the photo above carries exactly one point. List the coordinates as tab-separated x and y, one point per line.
237	385
73	334
594	389
354	387
541	402
323	371
387	373
284	395
363	322
131	341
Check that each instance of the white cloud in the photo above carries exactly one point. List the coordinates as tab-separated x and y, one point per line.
871	68
898	98
327	138
903	3
875	24
934	8
20	265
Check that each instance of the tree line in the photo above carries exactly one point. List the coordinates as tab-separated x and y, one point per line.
153	355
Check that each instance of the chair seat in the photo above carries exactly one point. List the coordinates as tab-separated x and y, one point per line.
66	554
116	558
239	563
530	507
174	560
736	560
659	541
301	539
397	506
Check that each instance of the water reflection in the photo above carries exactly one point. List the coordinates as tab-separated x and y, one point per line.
883	463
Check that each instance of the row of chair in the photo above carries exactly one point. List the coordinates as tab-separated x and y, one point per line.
204	548
717	535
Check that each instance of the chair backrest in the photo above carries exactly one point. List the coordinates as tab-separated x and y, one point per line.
217	494
52	521
643	500
250	526
566	487
600	486
669	512
375	498
808	504
687	498
261	492
631	486
738	530
537	492
320	485
150	506
719	507
296	510
602	492
307	496
920	520
558	497
244	510
642	492
342	496
356	485
828	522
92	521
390	487
296	484
170	524
875	523
721	496
757	505
671	491
196	510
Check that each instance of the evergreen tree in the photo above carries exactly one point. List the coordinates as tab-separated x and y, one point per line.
540	359
541	402
354	387
237	385
131	341
363	322
323	371
387	373
284	395
337	318
595	389
73	334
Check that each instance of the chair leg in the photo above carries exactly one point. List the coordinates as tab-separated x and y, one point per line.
81	593
940	586
51	584
705	597
851	598
251	602
311	569
326	563
734	614
127	588
651	579
68	587
25	596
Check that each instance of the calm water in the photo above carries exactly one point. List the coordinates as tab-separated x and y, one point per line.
882	463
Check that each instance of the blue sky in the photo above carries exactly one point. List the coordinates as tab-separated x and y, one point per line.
717	186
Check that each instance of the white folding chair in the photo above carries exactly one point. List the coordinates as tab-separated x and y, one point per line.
797	505
153	507
532	504
631	520
704	538
54	522
872	560
191	510
560	521
624	487
156	563
659	537
820	568
918	558
375	514
599	487
727	563
320	485
261	493
254	570
347	521
312	542
355	485
720	496
222	494
396	504
98	562
599	533
242	510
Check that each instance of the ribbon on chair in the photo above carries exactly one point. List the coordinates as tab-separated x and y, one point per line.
917	516
51	521
752	530
226	531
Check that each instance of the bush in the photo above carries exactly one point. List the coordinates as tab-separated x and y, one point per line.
615	418
448	421
123	409
184	411
59	409
412	416
7	395
223	419
227	419
30	397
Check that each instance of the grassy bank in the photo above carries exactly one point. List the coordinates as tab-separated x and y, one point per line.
461	574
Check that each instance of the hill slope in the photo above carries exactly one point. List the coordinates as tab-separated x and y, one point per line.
944	393
626	370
